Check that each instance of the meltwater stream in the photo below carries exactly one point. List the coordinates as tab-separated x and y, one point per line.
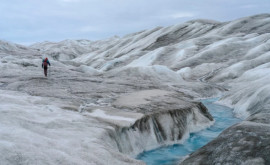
171	155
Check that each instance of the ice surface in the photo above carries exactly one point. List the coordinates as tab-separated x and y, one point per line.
146	60
189	61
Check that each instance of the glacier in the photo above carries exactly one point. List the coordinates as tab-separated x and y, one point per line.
106	101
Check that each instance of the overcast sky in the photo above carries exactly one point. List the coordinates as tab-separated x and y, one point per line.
29	21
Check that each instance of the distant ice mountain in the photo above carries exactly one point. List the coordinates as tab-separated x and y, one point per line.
172	66
192	49
64	50
8	47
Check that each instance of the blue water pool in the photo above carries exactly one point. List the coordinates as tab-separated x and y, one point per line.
170	155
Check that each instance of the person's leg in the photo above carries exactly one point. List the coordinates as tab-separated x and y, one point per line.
45	71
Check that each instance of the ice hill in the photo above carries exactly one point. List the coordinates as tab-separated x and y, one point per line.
106	101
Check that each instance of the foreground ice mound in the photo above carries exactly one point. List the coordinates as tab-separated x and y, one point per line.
35	130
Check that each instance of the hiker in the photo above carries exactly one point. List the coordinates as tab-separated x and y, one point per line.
45	63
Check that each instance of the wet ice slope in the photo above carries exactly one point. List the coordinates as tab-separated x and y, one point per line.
199	58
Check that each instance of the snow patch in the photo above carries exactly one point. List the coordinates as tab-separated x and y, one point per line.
138	98
101	114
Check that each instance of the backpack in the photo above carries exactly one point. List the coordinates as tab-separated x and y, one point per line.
45	62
